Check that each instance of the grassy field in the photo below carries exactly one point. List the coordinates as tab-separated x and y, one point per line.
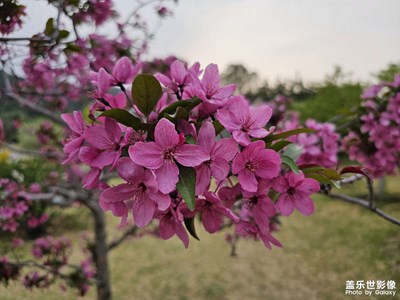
340	242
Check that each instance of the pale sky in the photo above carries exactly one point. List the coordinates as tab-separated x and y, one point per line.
275	38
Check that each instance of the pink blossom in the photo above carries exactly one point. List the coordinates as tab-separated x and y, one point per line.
179	77
105	144
255	162
124	71
244	122
103	82
161	155
208	88
139	192
260	205
74	142
171	224
248	229
221	153
212	212
295	193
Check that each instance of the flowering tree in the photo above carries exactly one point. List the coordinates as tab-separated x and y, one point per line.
178	145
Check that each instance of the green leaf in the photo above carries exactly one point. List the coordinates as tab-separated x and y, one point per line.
322	179
293	151
279	145
187	104
218	127
311	169
63	34
125	118
189	224
146	91
180	114
290	163
331	174
190	139
186	186
49	29
283	135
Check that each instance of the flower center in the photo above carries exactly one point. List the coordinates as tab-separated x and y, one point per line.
169	154
252	166
291	191
142	187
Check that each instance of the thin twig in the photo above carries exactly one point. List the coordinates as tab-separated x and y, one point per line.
365	204
24	102
131	231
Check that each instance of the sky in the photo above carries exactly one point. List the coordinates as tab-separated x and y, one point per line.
279	39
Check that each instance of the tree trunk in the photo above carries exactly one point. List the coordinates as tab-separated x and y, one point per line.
100	255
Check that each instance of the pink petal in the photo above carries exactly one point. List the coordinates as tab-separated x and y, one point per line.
258	133
241	137
240	110
167	177
280	184
182	234
129	171
165	134
211	220
211	78
285	205
303	203
178	72
309	186
103	83
225	92
248	181
206	136
226	149
167	228
149	155
165	81
118	193
97	137
203	178
74	121
226	118
269	163
163	201
113	130
191	155
91	179
105	158
122	70
260	115
219	168
143	211
88	154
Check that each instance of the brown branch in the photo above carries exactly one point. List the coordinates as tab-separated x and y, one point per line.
366	204
26	103
131	231
31	152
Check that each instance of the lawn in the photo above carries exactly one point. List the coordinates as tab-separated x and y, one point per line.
340	242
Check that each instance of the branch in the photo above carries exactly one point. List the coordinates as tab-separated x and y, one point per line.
123	237
31	152
24	102
365	204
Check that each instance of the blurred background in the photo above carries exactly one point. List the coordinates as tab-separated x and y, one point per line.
320	55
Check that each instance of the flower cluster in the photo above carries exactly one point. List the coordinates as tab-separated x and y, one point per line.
11	14
96	11
16	208
179	153
54	252
375	140
320	147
